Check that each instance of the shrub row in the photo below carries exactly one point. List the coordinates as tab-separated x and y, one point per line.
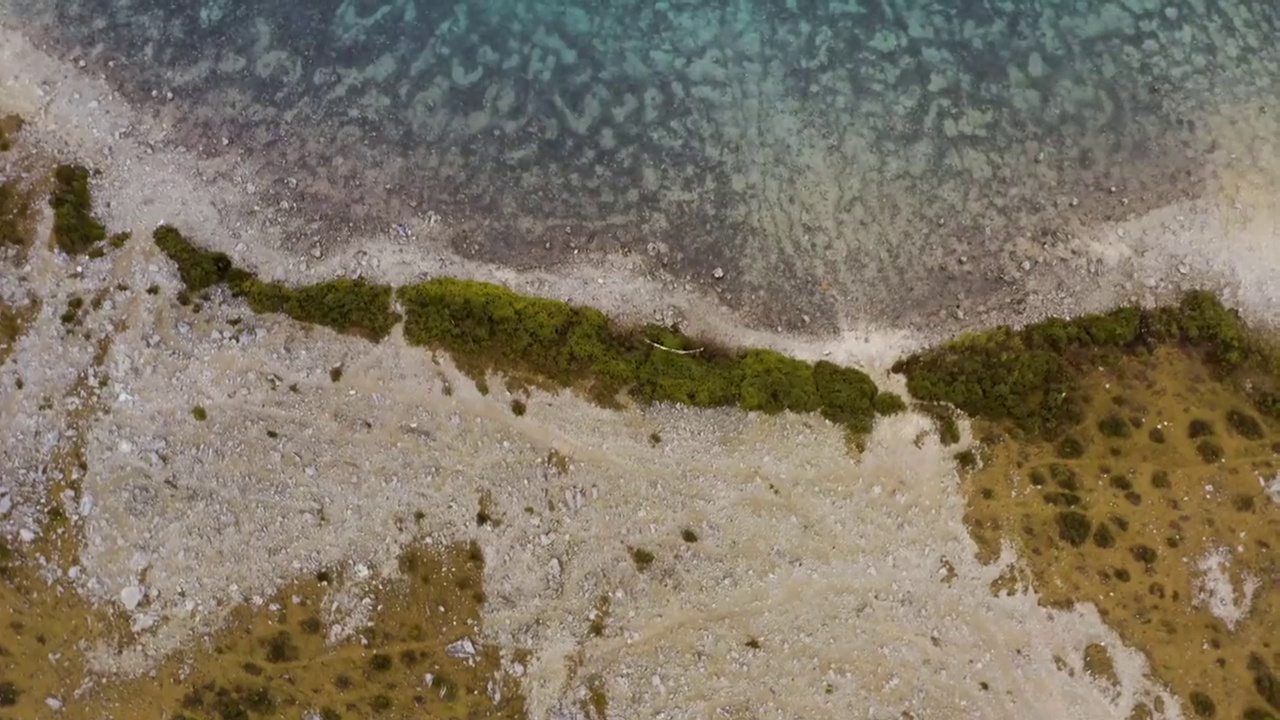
1031	377
488	327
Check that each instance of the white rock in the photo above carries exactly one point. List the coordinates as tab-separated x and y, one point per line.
131	596
26	535
53	703
463	648
6	504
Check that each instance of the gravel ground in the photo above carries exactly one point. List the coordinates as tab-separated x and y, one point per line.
838	567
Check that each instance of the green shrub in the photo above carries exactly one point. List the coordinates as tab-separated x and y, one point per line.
1245	425
199	269
845	394
888	403
1073	527
75	229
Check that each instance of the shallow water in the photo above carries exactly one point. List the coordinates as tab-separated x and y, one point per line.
931	148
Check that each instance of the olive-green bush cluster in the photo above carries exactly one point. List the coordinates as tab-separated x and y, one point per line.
1031	377
356	307
75	229
489	327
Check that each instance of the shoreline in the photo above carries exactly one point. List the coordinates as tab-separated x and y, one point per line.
384	387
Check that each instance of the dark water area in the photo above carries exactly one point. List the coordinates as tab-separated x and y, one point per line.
896	153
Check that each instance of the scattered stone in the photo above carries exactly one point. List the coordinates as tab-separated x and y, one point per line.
718	273
463	648
131	596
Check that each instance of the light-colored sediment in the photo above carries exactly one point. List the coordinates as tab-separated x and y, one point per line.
838	567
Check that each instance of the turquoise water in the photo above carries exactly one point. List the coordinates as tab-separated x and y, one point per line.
931	147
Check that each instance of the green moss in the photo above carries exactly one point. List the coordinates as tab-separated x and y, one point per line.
75	229
199	413
1031	378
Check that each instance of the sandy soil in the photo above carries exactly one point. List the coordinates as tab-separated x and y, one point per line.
838	566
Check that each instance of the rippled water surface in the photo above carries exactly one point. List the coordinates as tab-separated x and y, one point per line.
834	142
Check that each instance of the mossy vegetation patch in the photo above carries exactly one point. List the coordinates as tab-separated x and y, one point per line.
15	215
75	229
1031	378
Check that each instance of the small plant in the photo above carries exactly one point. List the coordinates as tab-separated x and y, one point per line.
518	407
1069	448
199	413
888	403
75	230
1245	425
655	439
753	643
380	662
335	373
1202	705
1209	451
153	290
1199	428
1102	536
1144	554
688	536
1115	426
118	240
1156	435
642	558
9	694
966	460
1160	480
1073	527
